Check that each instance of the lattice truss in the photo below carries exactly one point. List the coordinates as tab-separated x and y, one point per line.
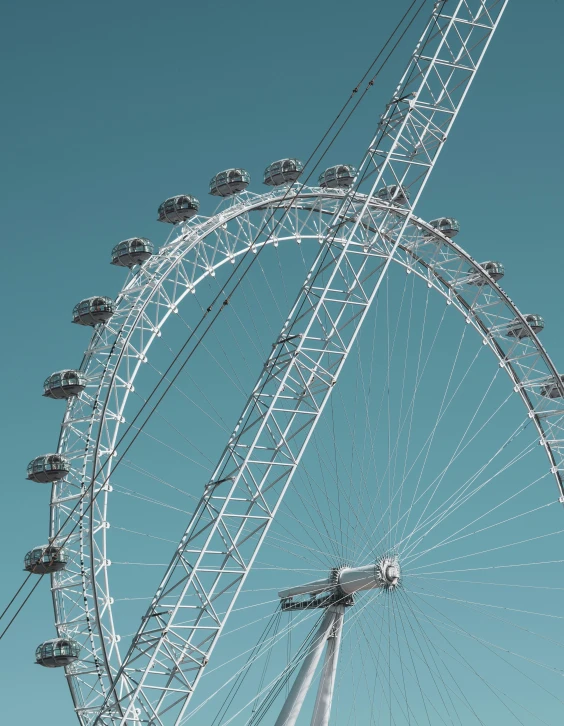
415	124
424	252
359	236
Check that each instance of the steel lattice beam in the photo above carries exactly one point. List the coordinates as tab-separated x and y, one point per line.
199	589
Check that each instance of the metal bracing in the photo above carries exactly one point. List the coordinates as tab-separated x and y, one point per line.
324	699
424	252
166	659
328	634
525	361
294	702
430	93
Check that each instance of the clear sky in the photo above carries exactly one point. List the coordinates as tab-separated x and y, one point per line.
111	107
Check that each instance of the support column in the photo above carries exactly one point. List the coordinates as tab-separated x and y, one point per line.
291	708
324	700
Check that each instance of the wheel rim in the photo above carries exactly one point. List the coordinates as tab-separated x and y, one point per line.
421	258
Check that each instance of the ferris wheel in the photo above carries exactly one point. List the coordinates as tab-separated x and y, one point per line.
310	466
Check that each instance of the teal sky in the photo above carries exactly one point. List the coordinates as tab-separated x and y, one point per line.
109	108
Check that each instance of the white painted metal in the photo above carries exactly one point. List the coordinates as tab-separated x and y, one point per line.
290	395
147	300
351	579
309	588
324	699
294	702
369	577
426	253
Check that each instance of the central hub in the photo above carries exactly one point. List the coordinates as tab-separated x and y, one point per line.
390	572
343	583
384	573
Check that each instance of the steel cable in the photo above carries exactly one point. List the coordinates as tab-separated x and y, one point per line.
219	295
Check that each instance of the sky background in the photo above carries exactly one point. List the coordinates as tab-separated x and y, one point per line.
109	108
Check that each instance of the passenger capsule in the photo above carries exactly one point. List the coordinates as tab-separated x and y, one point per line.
394	194
494	270
45	559
57	652
446	225
134	251
285	171
550	389
229	182
517	329
48	468
178	209
93	310
342	176
64	384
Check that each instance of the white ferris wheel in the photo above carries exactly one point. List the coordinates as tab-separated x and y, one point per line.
310	467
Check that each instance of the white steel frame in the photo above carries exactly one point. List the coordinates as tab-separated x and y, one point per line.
328	634
425	252
363	236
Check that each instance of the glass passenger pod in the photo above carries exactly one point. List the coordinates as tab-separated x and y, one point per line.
64	384
45	559
341	177
447	226
517	329
395	194
495	271
550	389
134	251
229	182
93	310
57	652
178	209
48	468
285	171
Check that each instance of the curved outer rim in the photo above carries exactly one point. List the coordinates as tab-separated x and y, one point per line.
99	617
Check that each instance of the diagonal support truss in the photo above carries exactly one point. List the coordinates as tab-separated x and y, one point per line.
187	614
